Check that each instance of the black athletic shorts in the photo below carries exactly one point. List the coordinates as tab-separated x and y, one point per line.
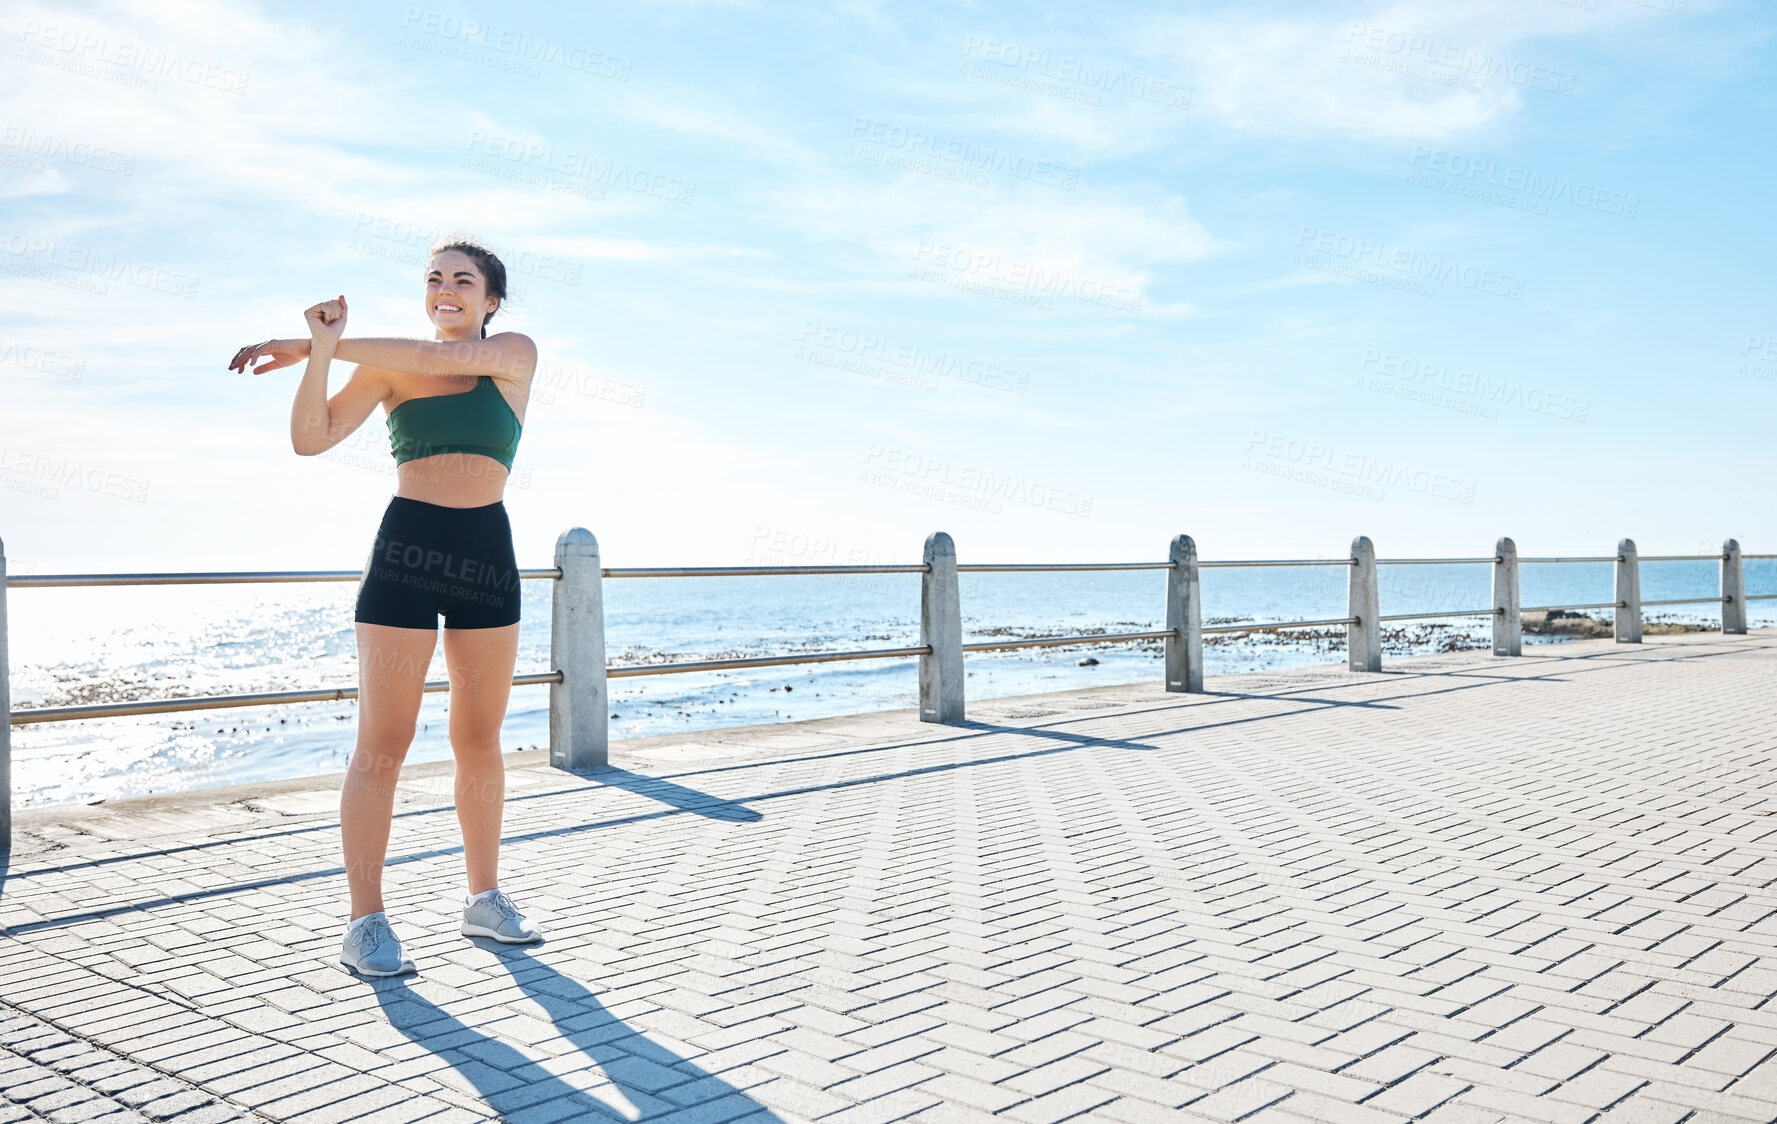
430	559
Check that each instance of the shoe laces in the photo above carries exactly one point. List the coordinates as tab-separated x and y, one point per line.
504	904
374	932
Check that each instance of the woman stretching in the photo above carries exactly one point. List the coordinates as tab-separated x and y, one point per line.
455	408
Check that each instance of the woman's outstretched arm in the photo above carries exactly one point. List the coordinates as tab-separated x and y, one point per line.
509	355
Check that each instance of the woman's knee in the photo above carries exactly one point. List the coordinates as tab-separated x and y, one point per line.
481	752
379	758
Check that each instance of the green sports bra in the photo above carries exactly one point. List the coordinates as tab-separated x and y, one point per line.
477	420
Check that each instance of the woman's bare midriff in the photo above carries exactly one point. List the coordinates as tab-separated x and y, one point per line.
452	480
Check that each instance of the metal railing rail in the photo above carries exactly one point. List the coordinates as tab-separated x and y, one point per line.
180	703
578	704
241	577
1440	616
751	571
1277	626
1063	641
630	671
244	577
1054	567
1211	565
1571	608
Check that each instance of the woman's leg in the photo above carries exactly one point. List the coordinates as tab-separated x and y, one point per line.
392	665
481	662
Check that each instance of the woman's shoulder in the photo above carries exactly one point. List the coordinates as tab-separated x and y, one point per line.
518	356
383	382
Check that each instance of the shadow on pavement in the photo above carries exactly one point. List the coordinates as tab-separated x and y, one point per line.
676	795
642	1079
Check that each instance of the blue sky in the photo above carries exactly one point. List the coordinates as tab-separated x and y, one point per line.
810	281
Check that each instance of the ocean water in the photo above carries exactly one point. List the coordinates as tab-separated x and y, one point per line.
81	645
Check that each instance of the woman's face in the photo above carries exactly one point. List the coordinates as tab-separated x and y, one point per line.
456	295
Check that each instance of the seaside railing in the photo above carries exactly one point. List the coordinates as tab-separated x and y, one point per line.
578	700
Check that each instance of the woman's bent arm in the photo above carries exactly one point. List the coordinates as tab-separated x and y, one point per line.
317	424
311	418
509	355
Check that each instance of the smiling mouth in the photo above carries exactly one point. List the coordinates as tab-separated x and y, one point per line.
446	308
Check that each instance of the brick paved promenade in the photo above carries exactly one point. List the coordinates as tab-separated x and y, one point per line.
1462	890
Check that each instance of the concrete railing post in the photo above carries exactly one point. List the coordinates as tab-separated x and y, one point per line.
940	628
1184	619
1733	590
579	710
1628	613
1363	640
1508	622
6	730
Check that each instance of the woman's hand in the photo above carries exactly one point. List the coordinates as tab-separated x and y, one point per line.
327	320
276	353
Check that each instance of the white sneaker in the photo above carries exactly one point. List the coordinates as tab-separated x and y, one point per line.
371	948
495	916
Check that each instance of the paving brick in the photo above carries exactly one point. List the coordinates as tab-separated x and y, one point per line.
954	1088
1686	1030
1598	1088
1340	1086
1391	1065
1056	1075
1519	1106
1733	1053
1419	1094
1561	1061
1639	1110
63	1100
882	1110
795	1097
1240	1100
1305	1105
218	1113
1063	1104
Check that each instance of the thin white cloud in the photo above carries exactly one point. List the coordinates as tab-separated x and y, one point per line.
1114	237
1315	77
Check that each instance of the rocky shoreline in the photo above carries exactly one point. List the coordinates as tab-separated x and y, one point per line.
1570	624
